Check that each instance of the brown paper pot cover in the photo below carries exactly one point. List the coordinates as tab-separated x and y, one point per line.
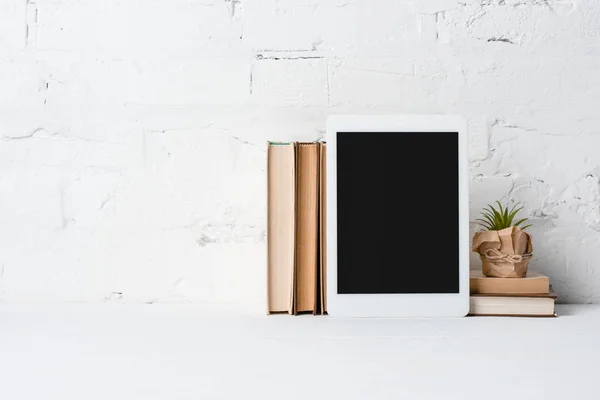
505	253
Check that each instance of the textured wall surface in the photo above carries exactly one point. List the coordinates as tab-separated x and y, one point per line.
133	132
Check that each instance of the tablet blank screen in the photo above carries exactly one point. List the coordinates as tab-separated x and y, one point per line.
397	212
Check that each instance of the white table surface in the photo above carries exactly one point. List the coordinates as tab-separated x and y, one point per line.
148	352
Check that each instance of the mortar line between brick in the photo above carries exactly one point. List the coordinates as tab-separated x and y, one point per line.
328	85
251	72
26	23
31	20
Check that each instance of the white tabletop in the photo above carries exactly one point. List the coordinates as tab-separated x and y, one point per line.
185	352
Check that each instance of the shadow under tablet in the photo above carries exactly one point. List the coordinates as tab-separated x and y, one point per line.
397	213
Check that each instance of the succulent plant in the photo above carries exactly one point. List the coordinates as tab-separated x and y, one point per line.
497	219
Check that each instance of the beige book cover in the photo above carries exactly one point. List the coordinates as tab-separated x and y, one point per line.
281	226
307	226
494	305
323	229
533	283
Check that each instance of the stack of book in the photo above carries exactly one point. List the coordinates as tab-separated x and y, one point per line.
531	296
296	272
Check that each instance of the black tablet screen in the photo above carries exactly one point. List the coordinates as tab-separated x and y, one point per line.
397	212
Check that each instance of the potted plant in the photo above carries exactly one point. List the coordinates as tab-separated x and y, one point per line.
504	247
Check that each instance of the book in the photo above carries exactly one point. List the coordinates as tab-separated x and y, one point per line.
307	230
323	229
281	226
539	305
533	283
296	228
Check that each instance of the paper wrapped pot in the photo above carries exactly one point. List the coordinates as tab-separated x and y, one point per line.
505	253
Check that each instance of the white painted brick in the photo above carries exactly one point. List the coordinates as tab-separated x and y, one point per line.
13	29
510	79
107	125
242	283
290	82
19	123
51	150
228	206
272	26
89	200
338	27
155	28
479	137
364	27
584	199
487	190
54	265
427	26
199	224
21	84
30	199
548	157
386	81
545	25
187	278
169	82
132	132
432	7
372	81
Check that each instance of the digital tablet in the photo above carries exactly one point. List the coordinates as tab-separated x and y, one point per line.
398	216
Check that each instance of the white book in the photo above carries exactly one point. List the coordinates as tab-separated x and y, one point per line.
539	305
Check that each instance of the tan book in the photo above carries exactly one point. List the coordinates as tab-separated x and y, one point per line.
533	283
307	226
281	226
323	229
521	306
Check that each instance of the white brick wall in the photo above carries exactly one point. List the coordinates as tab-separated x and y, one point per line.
132	131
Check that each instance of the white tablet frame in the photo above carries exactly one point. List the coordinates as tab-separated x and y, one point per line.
397	305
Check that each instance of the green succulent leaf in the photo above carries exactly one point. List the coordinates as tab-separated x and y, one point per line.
488	218
519	222
497	217
513	212
501	210
484	223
